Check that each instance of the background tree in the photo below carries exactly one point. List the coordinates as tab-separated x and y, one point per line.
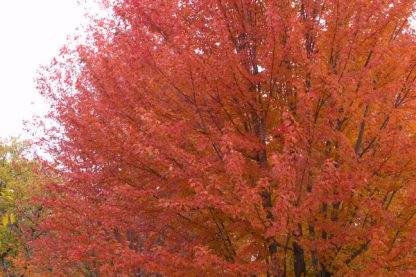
19	182
226	138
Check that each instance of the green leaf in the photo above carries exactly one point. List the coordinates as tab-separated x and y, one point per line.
12	218
5	220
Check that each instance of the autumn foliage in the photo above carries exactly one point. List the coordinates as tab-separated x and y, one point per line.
234	138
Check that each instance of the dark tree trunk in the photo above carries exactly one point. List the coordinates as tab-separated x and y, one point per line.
298	260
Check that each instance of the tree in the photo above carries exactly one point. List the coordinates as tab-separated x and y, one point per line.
227	138
19	182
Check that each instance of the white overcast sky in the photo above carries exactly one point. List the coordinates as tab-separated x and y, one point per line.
32	31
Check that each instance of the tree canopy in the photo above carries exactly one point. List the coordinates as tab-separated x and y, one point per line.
19	183
234	138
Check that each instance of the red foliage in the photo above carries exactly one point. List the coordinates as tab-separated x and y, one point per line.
224	138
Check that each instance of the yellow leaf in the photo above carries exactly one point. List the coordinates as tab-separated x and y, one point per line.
12	218
5	220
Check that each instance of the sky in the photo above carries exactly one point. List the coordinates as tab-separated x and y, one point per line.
32	32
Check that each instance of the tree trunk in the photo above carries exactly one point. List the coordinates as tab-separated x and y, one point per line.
298	260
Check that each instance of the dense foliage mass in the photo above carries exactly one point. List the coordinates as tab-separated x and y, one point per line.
234	138
19	182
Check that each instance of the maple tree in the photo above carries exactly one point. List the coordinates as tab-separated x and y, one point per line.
227	138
